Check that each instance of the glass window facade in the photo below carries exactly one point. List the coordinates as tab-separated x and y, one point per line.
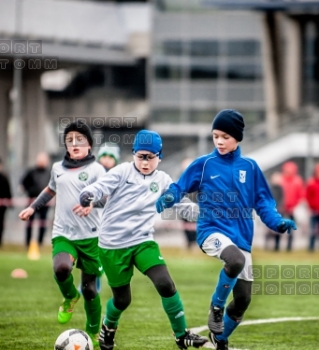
193	78
311	64
201	61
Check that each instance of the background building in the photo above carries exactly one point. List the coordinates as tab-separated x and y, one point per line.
258	57
168	65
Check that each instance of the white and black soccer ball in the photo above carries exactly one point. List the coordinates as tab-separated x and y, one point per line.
73	339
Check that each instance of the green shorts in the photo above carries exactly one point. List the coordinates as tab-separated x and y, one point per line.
84	251
119	264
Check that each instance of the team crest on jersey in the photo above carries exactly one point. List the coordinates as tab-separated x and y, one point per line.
83	176
242	176
154	187
217	243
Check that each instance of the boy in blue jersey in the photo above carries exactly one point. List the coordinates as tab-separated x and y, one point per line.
230	186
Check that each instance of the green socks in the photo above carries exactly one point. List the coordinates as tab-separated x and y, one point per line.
67	287
92	307
112	315
174	309
93	314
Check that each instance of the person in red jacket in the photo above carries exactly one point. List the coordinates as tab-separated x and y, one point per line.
312	197
278	194
293	191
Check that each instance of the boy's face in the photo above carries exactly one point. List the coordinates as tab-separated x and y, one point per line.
77	145
146	166
107	161
224	142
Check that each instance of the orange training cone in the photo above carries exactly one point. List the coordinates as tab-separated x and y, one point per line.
19	273
34	252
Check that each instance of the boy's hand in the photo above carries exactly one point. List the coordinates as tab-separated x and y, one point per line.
164	201
26	213
81	211
86	199
286	225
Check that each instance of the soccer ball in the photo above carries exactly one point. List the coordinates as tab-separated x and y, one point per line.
73	339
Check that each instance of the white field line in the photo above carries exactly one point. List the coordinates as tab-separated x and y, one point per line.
253	322
209	345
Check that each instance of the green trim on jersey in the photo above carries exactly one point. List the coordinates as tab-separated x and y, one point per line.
84	251
119	264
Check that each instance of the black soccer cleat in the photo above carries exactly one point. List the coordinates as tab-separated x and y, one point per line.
218	344
190	339
106	338
215	320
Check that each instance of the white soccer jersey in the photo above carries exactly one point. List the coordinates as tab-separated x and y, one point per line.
68	183
128	217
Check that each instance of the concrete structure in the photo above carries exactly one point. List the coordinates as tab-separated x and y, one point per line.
260	57
48	36
196	68
205	56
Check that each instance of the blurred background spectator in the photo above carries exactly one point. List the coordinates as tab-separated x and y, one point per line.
5	198
293	192
33	182
109	155
277	192
312	196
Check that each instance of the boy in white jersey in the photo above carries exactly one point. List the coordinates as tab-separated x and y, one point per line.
126	237
108	156
75	235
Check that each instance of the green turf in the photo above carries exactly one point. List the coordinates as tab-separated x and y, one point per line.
28	307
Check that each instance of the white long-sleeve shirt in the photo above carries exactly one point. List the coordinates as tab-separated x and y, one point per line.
67	184
128	217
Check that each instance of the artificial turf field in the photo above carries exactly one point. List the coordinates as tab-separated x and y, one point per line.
28	307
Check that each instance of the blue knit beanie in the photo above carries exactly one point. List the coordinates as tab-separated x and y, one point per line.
147	140
231	122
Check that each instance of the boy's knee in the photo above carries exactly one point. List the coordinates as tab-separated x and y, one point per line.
234	260
62	271
122	302
161	280
238	264
89	290
238	306
165	287
243	302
